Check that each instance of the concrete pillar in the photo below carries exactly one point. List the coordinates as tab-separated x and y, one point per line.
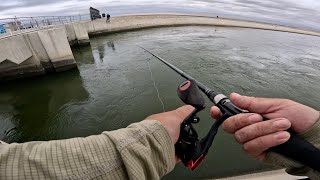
71	35
39	51
17	59
56	43
81	34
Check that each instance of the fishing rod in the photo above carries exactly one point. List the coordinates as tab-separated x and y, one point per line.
192	150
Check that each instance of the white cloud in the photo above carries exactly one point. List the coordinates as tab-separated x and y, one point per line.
10	3
294	13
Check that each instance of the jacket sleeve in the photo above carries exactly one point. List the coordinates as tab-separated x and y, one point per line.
143	150
292	167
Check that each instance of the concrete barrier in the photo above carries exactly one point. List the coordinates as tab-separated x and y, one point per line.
17	60
56	43
39	51
35	53
81	33
71	35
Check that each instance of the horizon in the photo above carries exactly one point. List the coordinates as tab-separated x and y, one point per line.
295	14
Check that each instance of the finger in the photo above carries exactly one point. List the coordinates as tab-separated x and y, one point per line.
261	157
183	112
253	104
263	128
234	123
215	112
258	146
177	159
178	114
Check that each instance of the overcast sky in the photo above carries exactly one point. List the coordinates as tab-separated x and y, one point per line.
298	13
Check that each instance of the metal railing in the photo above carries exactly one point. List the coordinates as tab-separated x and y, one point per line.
17	25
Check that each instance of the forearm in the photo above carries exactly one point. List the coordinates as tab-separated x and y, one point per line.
142	151
147	150
292	167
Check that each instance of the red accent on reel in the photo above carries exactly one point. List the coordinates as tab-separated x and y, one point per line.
185	85
193	165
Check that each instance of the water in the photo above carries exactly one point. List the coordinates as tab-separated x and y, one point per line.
113	87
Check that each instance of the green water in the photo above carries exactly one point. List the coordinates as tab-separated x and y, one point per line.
113	87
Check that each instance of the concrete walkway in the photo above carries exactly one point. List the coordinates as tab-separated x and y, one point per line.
269	175
133	22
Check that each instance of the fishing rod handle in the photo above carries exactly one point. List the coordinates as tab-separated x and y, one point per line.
299	150
296	148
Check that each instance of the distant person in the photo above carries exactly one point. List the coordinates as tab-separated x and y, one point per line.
217	16
108	18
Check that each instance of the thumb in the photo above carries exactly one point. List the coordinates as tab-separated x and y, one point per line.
183	112
253	104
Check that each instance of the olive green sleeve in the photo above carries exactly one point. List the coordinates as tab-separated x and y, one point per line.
143	150
292	167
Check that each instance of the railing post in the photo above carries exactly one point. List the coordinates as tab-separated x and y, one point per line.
44	22
32	20
54	20
37	24
15	20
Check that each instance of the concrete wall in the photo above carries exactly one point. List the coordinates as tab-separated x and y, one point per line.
35	53
31	53
81	33
134	22
39	51
89	26
17	60
71	35
15	49
56	44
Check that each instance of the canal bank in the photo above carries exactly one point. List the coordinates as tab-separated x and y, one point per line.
44	51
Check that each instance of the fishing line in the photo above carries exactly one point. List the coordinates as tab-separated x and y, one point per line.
155	86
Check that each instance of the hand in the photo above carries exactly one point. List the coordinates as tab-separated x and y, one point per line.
172	120
257	135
